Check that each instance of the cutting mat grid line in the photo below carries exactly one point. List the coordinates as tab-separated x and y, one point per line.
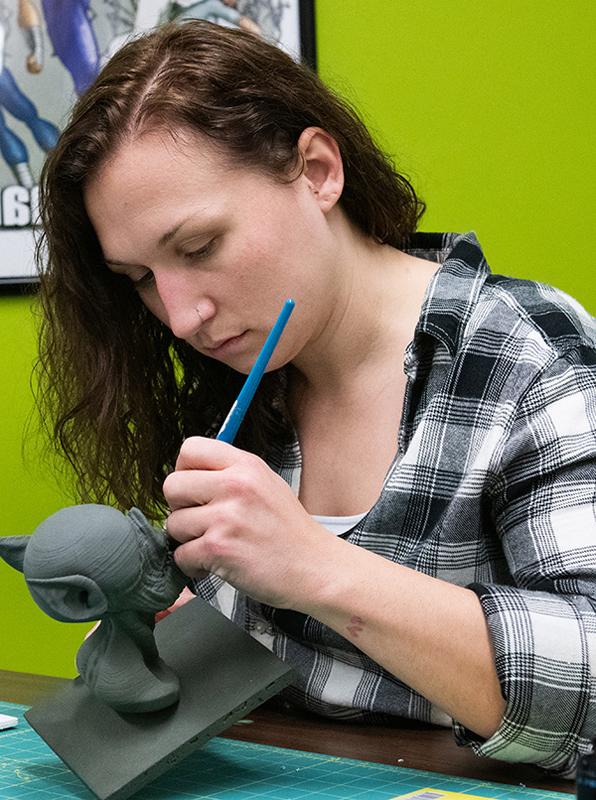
225	769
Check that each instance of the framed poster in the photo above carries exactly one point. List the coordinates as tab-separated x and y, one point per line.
50	52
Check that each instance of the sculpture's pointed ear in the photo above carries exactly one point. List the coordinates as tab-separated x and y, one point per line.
12	550
73	598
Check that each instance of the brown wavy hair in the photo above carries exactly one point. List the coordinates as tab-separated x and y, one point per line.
117	392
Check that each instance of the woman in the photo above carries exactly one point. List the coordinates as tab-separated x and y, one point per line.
439	419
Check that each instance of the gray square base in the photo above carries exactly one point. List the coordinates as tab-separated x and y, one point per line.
224	674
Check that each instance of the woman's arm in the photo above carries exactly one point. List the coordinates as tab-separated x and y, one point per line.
430	634
239	520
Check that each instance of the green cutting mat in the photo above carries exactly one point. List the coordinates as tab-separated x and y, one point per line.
229	770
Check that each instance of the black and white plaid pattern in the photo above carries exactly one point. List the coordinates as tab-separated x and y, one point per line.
493	487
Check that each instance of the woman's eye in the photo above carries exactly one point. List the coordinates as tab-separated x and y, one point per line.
203	252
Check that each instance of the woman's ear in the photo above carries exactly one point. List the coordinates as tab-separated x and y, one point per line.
12	550
323	166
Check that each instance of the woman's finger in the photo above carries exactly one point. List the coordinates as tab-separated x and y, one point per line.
185	488
185	524
191	559
199	452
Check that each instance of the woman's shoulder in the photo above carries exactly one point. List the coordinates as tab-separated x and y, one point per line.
524	307
482	316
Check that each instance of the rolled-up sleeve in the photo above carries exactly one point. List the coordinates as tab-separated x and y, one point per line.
543	627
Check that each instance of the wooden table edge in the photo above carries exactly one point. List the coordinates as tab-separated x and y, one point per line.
404	744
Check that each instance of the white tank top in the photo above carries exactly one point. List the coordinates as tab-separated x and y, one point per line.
338	525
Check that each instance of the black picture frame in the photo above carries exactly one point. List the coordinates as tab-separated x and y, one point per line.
308	41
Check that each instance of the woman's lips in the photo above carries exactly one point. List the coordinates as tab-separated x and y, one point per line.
232	344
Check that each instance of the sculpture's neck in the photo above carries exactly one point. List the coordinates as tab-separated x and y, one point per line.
120	663
136	625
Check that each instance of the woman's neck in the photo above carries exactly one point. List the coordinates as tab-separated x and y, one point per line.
379	292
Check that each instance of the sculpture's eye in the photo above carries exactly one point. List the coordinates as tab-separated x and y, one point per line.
84	598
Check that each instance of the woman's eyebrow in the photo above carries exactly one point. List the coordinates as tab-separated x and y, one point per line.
169	235
163	240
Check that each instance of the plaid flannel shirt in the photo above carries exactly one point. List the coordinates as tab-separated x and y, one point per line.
493	487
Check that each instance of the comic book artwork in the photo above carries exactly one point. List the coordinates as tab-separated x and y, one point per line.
50	51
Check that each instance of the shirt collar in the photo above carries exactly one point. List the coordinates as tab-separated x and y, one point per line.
453	292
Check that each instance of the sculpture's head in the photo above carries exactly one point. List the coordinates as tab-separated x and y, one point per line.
85	561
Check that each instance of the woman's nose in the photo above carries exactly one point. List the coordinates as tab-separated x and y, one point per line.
186	312
184	322
187	317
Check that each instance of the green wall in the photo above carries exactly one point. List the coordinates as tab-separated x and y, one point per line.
29	641
489	108
486	106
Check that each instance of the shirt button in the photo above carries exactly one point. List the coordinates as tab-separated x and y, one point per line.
261	627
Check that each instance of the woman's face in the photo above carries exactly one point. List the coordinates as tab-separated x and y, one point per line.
192	231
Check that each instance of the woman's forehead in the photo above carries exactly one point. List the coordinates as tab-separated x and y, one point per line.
155	184
160	166
166	148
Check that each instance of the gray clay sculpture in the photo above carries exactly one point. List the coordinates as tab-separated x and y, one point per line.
92	562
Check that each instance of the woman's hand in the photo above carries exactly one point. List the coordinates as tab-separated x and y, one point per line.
236	518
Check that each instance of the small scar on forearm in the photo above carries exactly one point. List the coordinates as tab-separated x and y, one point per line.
356	626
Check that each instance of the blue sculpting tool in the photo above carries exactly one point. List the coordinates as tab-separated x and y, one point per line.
229	429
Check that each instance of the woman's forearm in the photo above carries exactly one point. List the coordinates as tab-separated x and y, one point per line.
430	634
